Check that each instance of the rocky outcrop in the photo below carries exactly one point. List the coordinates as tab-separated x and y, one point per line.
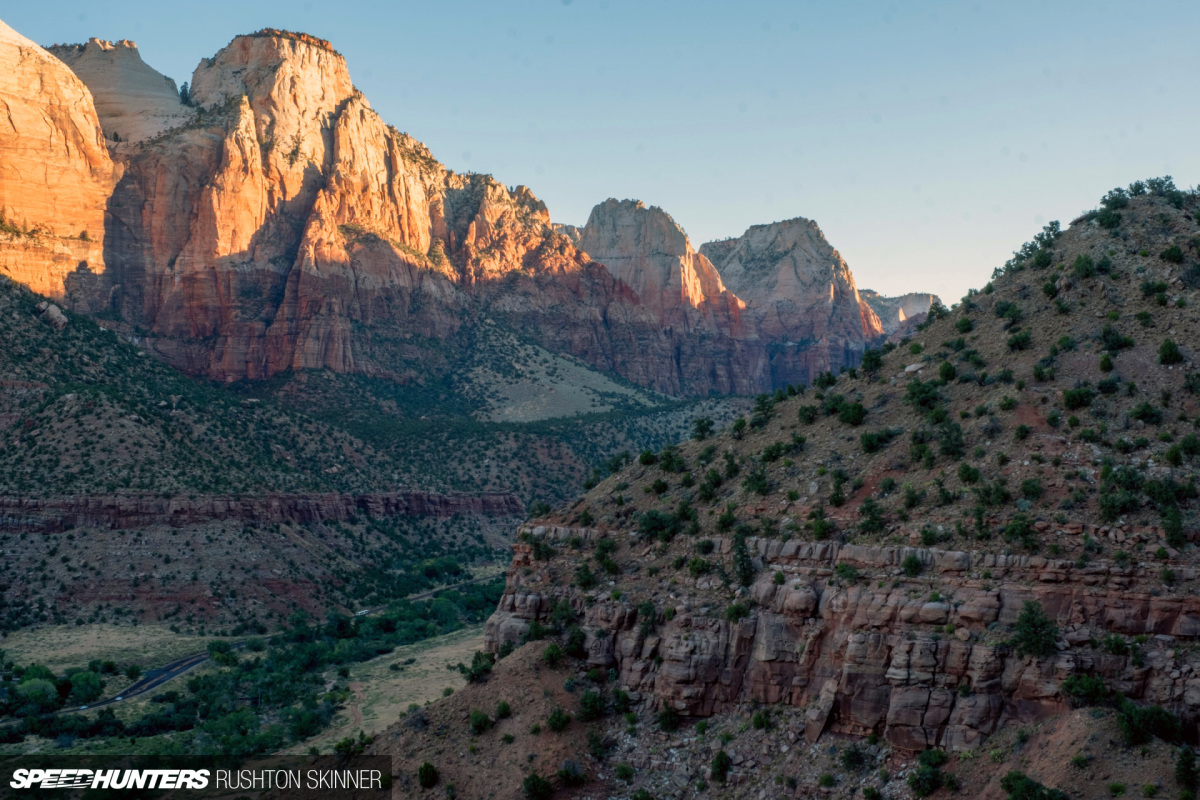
894	312
868	650
134	102
801	296
55	172
116	512
279	224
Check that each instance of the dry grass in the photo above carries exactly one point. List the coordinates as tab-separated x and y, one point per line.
62	646
382	694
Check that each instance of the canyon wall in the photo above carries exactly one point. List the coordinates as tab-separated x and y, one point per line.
277	223
55	171
865	648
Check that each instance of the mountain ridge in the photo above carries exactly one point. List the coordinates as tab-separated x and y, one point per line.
293	229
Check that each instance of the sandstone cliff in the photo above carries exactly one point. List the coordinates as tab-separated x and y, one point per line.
55	172
279	224
893	312
133	101
868	654
801	295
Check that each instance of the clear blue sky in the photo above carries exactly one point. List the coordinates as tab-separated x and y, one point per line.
928	139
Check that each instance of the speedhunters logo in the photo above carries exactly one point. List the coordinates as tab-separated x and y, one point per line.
289	777
109	779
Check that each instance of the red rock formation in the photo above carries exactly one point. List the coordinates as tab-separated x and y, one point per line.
876	656
286	226
55	173
801	294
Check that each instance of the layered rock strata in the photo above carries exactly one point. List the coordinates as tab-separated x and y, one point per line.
879	652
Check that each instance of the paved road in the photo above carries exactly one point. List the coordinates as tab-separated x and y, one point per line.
157	677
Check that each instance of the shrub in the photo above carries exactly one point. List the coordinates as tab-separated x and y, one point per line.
925	781
968	474
822	528
1144	412
592	706
1111	339
1034	632
808	414
736	611
874	441
558	720
552	655
911	565
852	414
1185	769
1078	398
1020	341
1021	787
721	765
1085	690
872	516
946	372
668	719
1168	353
1174	254
854	758
846	572
480	722
571	774
1084	267
427	775
872	360
1139	725
537	788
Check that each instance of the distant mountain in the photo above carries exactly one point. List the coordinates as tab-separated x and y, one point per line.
894	312
276	223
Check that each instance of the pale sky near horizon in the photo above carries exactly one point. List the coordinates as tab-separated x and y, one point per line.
927	139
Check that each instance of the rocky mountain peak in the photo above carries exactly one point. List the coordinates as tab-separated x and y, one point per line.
133	100
800	292
895	312
645	248
279	71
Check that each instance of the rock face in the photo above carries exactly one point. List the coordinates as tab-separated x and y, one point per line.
876	655
894	312
133	101
55	173
278	223
801	296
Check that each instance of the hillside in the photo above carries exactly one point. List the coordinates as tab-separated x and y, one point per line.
979	529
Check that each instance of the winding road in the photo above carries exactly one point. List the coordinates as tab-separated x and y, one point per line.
155	678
